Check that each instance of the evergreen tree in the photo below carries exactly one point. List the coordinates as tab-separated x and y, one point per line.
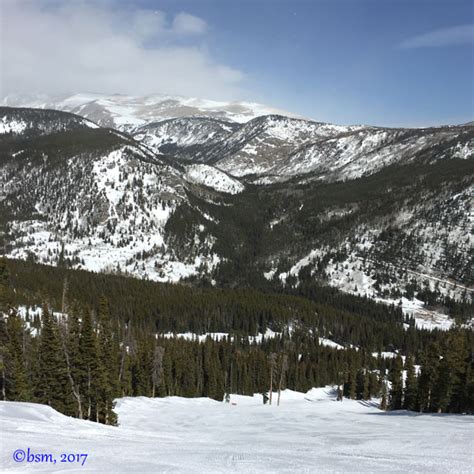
16	378
428	376
52	386
107	369
460	360
396	390
88	366
410	391
5	289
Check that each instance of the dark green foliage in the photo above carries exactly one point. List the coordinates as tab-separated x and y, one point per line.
81	363
52	384
16	378
410	390
396	390
428	377
343	318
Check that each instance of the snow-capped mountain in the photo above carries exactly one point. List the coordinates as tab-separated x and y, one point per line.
89	196
16	122
129	112
374	211
274	148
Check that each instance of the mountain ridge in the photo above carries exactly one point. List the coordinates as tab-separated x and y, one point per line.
109	201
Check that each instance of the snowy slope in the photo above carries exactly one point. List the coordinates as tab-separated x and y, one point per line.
187	138
307	433
93	198
276	149
261	146
377	261
129	112
213	178
15	122
144	205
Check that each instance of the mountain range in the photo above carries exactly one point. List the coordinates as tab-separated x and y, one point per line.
232	194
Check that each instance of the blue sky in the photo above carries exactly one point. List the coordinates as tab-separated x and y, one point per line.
382	62
341	60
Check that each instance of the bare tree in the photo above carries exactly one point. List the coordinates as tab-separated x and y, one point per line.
127	346
272	362
64	297
157	375
283	371
3	375
74	387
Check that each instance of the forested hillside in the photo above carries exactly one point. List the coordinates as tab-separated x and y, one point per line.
376	212
77	340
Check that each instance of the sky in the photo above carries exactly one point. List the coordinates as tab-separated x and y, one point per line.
379	62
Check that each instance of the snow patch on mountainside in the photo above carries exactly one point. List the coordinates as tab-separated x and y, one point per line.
130	112
213	178
257	339
355	275
109	214
12	126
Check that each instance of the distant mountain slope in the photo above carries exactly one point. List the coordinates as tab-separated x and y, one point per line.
128	112
374	211
274	148
31	122
88	197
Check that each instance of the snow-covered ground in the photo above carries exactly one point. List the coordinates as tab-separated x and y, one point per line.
307	433
258	339
213	178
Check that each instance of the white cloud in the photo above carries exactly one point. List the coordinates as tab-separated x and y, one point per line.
184	23
455	35
78	45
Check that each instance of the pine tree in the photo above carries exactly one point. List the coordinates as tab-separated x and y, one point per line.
396	390
351	385
69	335
428	376
410	391
88	366
460	359
17	382
107	369
52	386
5	289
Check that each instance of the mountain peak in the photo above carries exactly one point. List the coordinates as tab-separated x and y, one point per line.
128	112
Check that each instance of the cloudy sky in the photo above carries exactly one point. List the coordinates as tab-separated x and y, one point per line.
384	62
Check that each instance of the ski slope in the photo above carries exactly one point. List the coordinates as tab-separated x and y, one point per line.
307	433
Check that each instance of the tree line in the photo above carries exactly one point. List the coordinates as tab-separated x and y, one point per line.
80	359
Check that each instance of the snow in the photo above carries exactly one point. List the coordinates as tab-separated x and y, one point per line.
385	355
309	432
213	178
257	339
130	112
426	319
355	275
218	336
328	343
12	126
